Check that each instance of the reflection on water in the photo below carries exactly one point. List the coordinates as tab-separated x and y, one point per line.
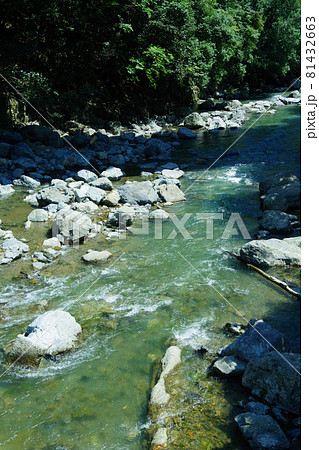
96	396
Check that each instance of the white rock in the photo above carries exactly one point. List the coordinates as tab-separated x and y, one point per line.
38	215
49	334
97	256
52	242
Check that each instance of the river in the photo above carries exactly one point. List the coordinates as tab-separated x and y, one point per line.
146	298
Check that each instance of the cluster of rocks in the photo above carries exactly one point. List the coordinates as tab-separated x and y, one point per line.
10	247
48	335
43	153
260	358
73	204
280	198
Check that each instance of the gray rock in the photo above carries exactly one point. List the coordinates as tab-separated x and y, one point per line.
162	180
282	193
113	173
73	225
14	245
272	252
102	183
27	182
52	242
257	408
186	133
112	198
259	338
276	222
218	123
41	134
261	432
194	121
87	207
96	256
139	193
117	160
49	334
38	215
92	193
159	214
86	175
229	366
175	173
55	194
6	190
171	193
274	380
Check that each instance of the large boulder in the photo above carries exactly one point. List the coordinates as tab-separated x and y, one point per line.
139	193
171	193
55	194
274	378
72	225
261	432
258	339
194	121
276	222
272	252
49	334
282	193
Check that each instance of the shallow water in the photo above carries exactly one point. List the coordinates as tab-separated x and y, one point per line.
144	299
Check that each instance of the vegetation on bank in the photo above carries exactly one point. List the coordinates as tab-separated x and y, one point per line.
75	58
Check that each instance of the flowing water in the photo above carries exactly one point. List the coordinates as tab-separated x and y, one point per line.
146	298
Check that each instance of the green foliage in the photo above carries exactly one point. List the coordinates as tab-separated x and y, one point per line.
126	49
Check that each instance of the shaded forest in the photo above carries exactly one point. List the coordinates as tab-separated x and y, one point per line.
101	58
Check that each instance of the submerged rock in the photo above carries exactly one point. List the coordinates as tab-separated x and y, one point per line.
160	437
49	334
261	432
186	133
273	378
272	252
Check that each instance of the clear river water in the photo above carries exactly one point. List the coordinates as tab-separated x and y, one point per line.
143	300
